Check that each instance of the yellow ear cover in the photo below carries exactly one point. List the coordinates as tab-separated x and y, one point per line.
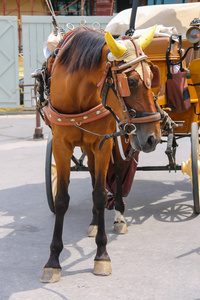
145	39
117	49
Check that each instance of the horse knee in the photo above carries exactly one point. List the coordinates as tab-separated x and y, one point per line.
99	198
61	204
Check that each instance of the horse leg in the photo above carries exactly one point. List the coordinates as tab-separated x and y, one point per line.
125	172
92	230
102	263
52	269
120	226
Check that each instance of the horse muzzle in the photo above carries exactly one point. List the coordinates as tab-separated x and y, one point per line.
145	139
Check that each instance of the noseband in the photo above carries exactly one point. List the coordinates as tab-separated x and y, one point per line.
116	80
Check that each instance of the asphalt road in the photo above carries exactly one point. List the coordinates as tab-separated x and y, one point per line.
158	259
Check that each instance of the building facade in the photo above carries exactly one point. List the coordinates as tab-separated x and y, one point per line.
74	7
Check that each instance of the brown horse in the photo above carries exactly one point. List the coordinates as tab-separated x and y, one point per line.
82	79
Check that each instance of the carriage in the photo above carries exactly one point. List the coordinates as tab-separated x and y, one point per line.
176	122
184	122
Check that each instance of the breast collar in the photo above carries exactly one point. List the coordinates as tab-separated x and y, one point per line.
53	116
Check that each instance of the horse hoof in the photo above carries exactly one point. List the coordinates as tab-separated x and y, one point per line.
120	228
102	268
50	275
92	231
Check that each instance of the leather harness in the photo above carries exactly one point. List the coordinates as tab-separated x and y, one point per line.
110	79
52	116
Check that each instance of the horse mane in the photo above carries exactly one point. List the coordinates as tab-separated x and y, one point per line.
82	50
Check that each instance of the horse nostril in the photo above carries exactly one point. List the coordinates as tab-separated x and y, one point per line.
151	140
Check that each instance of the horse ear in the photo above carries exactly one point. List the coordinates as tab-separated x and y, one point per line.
146	38
117	49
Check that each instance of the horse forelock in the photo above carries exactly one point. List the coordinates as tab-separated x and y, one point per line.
83	50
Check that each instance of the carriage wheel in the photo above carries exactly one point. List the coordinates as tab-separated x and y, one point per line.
50	175
195	166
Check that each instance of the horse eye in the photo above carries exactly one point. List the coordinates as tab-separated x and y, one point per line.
132	82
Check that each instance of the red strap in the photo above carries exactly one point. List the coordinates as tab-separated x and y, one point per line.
55	117
104	74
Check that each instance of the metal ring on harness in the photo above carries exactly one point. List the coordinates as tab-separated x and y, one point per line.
128	129
70	26
96	26
131	110
83	23
109	79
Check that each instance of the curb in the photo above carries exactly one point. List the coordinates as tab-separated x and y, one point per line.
23	112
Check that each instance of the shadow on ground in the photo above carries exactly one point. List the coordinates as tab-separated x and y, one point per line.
26	226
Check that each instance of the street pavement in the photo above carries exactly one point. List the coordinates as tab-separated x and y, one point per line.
158	259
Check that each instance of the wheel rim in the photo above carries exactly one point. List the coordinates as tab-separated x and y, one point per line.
195	166
50	175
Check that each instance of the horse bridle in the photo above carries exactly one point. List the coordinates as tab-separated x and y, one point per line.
118	81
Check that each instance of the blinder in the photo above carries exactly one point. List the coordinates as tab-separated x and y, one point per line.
122	81
123	87
155	82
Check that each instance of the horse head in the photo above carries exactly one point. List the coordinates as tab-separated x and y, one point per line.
132	77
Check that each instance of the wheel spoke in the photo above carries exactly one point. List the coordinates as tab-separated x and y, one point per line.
54	188
53	178
53	169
